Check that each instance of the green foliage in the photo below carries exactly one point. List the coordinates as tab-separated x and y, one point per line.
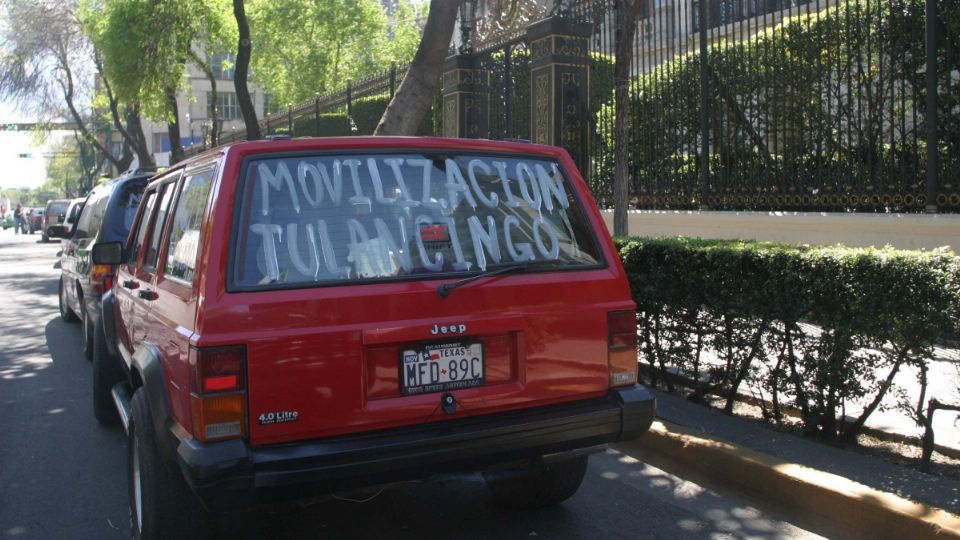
331	125
872	311
601	81
144	45
368	111
305	46
31	198
65	169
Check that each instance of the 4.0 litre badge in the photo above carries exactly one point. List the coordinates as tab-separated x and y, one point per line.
278	417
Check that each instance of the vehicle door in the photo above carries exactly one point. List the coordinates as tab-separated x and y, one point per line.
169	322
129	284
146	276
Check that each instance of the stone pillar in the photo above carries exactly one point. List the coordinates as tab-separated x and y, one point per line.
466	98
560	86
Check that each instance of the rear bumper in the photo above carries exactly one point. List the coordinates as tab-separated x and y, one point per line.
232	474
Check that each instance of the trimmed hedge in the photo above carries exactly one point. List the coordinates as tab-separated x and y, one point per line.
331	125
814	327
368	111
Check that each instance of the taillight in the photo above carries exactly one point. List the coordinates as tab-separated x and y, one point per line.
101	278
622	347
218	392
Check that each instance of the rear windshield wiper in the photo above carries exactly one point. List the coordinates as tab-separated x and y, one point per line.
443	291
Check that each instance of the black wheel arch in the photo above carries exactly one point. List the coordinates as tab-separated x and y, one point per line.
147	372
107	314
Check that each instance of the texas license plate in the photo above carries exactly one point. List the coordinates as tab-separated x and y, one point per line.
441	366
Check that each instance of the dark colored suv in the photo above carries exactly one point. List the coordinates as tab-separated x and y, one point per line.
106	217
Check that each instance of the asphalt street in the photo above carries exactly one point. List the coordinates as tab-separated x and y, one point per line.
62	476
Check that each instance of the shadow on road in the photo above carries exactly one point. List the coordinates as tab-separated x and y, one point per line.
613	502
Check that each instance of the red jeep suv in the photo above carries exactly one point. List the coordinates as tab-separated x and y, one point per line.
299	317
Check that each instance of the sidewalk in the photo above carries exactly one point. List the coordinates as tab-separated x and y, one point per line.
835	492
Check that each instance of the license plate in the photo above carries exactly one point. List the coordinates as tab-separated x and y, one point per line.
441	366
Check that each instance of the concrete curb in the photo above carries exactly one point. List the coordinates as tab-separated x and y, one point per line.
818	501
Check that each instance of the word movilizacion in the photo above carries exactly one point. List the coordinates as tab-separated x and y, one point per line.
363	217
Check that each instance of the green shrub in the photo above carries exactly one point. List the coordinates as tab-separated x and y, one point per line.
875	311
331	125
367	112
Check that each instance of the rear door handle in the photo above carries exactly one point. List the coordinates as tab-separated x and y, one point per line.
148	295
131	284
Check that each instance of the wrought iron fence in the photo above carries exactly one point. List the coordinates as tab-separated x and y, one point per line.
507	60
815	105
354	109
771	105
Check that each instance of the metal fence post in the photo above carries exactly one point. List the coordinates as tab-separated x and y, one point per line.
316	114
350	98
508	91
933	153
704	110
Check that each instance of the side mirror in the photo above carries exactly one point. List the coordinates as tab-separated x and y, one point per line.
107	253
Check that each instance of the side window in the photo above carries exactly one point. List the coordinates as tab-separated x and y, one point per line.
185	230
142	227
160	223
93	212
86	217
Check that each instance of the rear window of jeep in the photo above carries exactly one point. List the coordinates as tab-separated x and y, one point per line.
331	219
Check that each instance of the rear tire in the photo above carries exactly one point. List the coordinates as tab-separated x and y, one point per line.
66	313
161	504
87	332
106	374
537	485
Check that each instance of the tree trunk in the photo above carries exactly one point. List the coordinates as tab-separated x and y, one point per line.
137	140
851	431
214	110
628	11
244	48
410	104
173	128
133	133
68	97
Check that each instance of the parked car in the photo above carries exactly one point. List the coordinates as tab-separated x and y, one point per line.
35	220
106	217
73	214
315	315
54	215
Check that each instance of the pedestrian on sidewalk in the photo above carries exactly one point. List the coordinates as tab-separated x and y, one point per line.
18	223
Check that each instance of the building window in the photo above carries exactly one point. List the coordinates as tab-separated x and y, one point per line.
223	65
226	105
161	142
